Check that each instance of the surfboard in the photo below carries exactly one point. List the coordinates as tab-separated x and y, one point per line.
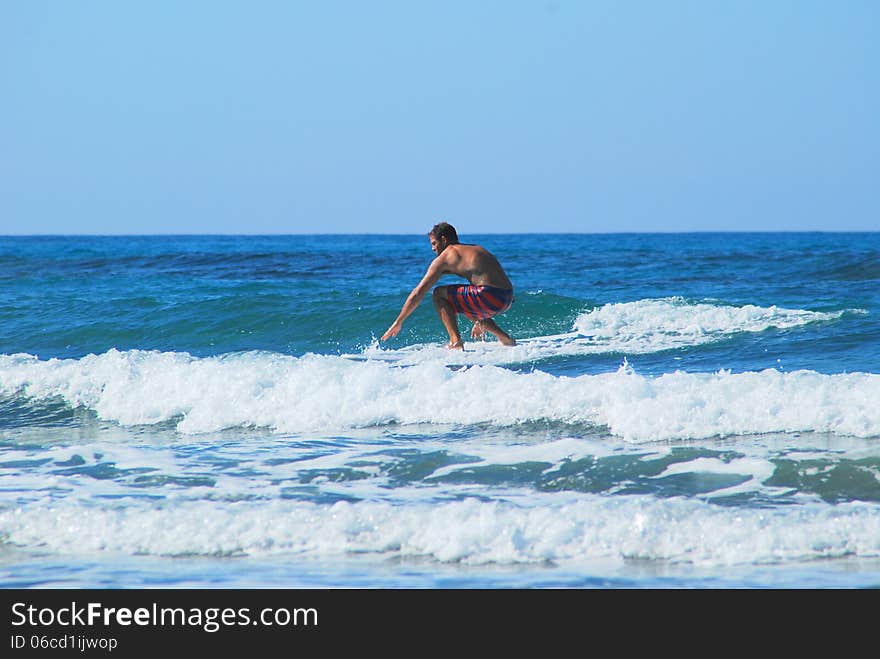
473	350
551	338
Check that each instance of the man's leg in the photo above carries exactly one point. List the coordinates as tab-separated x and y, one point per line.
448	317
490	325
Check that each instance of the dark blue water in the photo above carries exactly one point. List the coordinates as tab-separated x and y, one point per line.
70	296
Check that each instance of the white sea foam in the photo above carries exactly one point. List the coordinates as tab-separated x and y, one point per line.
651	325
324	393
562	530
641	327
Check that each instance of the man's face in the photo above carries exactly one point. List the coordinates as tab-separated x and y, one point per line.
437	244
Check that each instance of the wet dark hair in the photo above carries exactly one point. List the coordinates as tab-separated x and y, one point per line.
444	230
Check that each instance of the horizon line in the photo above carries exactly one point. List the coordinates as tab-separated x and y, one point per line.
475	233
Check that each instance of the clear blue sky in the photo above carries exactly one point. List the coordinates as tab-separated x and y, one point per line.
385	117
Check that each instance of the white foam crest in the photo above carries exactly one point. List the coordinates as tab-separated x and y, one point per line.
641	327
652	325
321	393
562	530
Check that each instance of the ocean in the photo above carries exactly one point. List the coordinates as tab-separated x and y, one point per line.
682	411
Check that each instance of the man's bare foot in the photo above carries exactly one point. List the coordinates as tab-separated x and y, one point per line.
455	345
490	325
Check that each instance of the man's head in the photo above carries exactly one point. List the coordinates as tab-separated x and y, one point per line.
442	235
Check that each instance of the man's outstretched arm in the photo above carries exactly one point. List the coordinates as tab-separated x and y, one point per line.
435	270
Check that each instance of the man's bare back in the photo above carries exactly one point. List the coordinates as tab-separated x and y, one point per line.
476	264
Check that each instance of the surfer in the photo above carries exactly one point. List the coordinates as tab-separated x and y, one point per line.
488	294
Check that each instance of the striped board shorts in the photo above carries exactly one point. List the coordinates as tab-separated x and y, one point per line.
479	302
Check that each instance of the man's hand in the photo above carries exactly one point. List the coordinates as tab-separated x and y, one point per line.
477	330
394	330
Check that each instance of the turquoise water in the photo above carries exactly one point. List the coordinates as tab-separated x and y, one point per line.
696	410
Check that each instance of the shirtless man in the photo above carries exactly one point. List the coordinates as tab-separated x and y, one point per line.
489	293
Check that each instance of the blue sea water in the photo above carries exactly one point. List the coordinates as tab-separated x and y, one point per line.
682	410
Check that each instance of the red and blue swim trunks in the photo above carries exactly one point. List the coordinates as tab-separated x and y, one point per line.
479	302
